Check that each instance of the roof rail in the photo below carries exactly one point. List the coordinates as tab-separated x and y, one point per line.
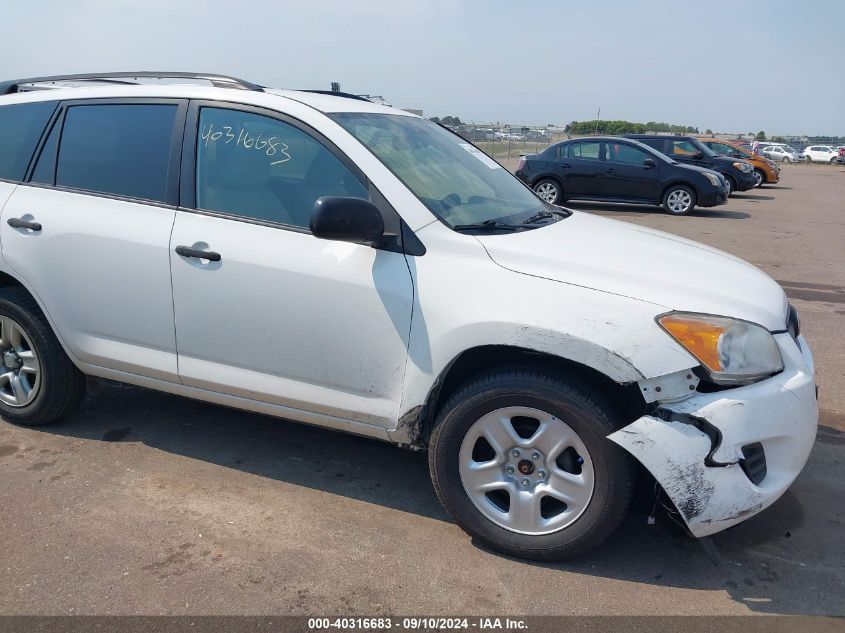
218	81
332	93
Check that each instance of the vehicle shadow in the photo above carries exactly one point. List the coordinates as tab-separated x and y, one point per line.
622	210
750	196
777	187
762	565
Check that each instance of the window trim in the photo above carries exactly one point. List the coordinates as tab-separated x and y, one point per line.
174	157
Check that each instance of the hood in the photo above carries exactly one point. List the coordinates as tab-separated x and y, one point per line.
697	168
632	261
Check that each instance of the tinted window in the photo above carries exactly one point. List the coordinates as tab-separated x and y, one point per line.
586	151
682	148
265	169
117	149
624	153
45	168
21	126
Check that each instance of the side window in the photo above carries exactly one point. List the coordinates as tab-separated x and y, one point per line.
624	153
45	168
262	168
118	149
683	148
21	125
585	151
563	151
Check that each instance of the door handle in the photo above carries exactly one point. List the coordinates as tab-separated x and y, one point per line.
565	165
187	251
609	171
17	223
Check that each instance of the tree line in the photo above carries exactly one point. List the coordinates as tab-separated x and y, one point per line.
626	127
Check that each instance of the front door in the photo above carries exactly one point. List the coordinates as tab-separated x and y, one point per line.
281	316
627	174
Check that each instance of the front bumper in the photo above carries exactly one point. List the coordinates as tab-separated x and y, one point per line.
745	181
714	197
694	448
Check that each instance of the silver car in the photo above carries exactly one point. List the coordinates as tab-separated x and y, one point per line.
781	154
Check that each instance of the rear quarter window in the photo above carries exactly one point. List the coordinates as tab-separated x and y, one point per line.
21	125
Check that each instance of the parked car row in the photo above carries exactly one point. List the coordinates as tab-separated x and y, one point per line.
766	170
675	172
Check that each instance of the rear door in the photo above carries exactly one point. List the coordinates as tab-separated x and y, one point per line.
630	172
579	168
89	232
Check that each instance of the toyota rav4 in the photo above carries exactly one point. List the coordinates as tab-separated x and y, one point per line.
331	261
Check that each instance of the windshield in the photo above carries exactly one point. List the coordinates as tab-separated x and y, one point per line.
458	182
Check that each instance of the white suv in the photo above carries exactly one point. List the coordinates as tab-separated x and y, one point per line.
821	154
331	261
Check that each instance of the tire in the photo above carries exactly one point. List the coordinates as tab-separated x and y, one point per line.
562	404
759	178
38	382
731	185
833	160
785	159
684	204
549	190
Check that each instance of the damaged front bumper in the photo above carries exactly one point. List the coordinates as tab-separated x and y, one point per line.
708	450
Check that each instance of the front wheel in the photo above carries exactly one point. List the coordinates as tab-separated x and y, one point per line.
549	190
679	200
785	159
731	185
520	459
759	178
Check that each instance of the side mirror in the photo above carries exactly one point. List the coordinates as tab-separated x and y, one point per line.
649	163
697	156
347	220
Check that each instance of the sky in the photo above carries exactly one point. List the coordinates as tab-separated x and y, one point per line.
727	65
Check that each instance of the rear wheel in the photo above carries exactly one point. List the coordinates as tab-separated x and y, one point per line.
759	178
549	190
679	200
521	460
38	382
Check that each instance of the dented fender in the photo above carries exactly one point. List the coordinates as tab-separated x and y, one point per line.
693	448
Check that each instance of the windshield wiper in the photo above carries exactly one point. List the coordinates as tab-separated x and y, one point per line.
487	225
546	214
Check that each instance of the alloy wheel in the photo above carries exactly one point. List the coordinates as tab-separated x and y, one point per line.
679	201
526	470
547	191
758	178
20	368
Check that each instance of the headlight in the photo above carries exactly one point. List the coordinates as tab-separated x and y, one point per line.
714	179
733	352
743	167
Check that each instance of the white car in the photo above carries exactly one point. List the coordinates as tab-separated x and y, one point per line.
781	154
821	154
335	262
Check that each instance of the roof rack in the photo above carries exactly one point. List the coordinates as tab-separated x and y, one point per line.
332	93
129	78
